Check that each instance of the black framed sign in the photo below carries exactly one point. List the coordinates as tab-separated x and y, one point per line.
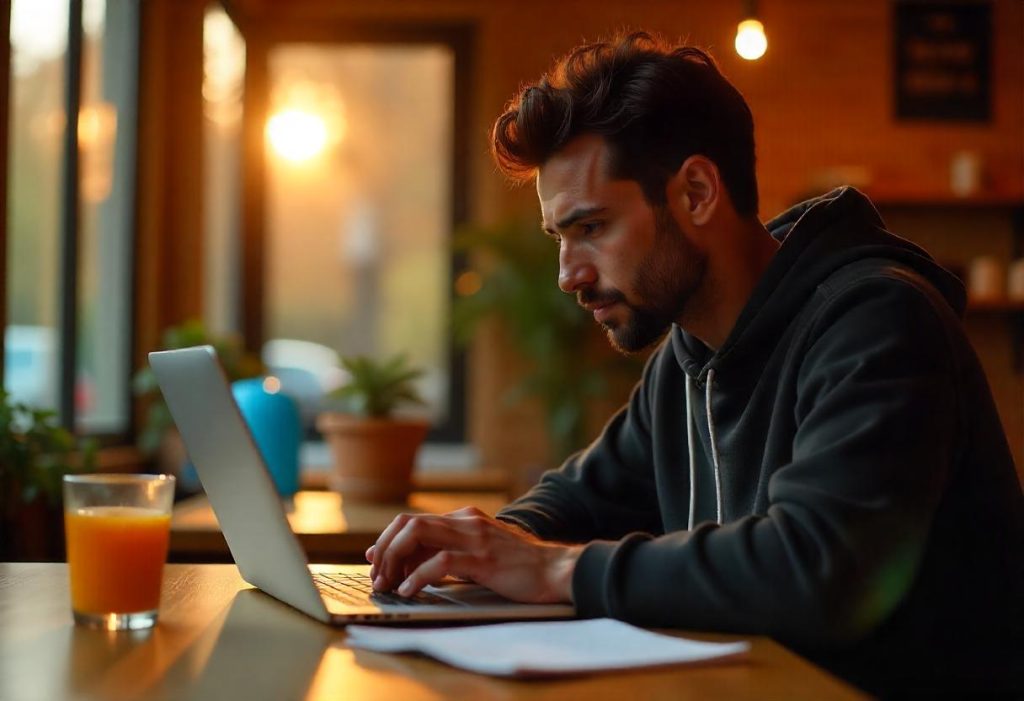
943	59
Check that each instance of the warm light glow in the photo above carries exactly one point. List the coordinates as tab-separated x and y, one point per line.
271	385
296	135
97	124
751	43
468	283
223	69
97	130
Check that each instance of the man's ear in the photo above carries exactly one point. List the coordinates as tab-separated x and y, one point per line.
695	190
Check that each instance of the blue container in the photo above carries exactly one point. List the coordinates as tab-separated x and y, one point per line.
273	419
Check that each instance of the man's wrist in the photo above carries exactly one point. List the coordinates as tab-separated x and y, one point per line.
562	568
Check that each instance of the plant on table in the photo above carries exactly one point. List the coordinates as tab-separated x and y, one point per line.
35	454
374	449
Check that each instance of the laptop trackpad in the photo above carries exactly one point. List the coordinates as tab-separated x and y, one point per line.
468	594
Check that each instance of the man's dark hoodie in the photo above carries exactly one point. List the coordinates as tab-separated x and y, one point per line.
835	475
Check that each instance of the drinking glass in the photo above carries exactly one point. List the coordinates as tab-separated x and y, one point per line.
117	529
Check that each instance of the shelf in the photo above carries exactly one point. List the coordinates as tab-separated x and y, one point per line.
995	307
1013	312
1011	203
895	199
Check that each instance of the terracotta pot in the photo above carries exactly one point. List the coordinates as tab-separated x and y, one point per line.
373	458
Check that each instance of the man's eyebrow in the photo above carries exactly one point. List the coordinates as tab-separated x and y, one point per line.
573	217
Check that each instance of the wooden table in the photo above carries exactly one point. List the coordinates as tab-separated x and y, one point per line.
218	639
330	528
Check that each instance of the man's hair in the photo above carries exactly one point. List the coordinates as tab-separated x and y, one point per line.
655	105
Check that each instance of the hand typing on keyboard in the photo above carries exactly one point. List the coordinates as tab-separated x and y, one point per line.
420	549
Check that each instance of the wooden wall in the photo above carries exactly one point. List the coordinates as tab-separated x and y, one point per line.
168	253
821	97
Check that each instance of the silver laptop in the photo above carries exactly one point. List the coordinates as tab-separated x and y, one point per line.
253	519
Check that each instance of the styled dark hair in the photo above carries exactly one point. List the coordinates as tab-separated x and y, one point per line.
654	104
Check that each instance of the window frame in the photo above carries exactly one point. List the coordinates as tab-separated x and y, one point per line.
261	38
5	80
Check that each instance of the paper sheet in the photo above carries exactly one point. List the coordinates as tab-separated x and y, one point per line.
544	648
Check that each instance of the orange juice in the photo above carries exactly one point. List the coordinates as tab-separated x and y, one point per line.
116	556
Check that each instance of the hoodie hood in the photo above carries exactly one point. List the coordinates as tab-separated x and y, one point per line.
818	237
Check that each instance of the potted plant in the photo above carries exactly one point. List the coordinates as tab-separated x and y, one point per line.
158	438
374	450
35	454
570	364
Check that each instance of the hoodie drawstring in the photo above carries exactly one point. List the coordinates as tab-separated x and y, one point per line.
690	452
690	419
714	445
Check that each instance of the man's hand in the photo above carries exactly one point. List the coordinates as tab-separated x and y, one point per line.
421	549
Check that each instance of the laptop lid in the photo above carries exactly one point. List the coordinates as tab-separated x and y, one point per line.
233	474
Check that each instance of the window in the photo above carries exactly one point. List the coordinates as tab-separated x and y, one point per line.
70	209
362	192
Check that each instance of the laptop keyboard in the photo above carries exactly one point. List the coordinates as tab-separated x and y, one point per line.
357	590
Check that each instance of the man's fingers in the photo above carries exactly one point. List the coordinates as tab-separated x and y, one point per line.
384	540
466	533
433	570
436	532
378	549
471	546
410	563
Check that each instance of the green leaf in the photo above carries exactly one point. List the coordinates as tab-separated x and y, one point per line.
378	387
519	269
35	454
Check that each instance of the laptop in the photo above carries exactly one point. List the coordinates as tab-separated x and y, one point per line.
252	516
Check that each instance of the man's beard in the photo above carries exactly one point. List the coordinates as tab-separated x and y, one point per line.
666	280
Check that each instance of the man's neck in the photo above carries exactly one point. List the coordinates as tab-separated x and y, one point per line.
735	265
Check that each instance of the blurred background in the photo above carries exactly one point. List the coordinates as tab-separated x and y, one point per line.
304	180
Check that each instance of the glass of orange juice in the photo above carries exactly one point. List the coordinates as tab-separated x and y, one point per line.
117	529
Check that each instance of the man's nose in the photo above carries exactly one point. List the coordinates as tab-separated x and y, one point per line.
574	271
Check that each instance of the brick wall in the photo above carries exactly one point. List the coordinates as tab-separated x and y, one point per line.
821	98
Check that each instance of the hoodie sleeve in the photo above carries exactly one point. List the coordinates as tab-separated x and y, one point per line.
848	516
605	491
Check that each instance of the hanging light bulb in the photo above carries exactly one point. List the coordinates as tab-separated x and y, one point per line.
751	43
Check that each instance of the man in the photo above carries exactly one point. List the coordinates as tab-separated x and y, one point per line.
812	454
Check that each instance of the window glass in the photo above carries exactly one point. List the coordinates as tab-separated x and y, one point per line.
39	30
106	145
359	193
223	90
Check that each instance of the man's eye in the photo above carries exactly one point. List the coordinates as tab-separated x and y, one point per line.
590	228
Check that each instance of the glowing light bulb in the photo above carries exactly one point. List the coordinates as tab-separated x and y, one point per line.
296	135
751	43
